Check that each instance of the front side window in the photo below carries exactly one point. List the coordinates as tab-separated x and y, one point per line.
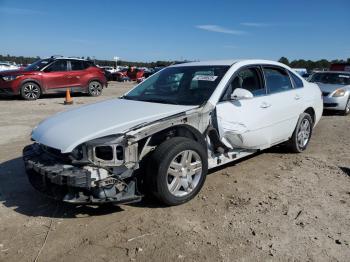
185	85
38	65
57	66
249	79
277	80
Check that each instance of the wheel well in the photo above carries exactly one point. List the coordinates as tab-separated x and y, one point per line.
311	112
95	80
178	131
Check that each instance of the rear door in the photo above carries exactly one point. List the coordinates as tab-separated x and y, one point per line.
75	74
55	76
285	102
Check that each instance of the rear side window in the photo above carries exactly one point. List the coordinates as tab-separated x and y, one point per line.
77	65
298	83
277	80
57	66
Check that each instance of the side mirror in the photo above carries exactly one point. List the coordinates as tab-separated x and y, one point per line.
240	94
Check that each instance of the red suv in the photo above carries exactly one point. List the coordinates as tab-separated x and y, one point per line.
53	75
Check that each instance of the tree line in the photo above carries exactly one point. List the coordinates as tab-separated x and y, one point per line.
29	60
311	65
300	63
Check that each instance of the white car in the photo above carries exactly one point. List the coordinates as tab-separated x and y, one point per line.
170	129
4	66
109	69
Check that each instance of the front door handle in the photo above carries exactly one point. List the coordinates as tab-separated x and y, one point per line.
265	105
297	97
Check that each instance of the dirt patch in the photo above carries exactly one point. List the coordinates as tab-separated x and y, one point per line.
274	205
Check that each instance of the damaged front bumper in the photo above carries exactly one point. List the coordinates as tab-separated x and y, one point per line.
57	178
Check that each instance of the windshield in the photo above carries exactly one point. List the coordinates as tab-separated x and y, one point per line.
38	65
331	78
187	85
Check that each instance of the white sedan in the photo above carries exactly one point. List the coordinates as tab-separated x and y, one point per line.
170	129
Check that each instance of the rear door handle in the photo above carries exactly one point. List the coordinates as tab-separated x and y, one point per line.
297	97
265	105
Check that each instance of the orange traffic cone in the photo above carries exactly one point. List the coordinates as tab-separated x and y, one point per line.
68	100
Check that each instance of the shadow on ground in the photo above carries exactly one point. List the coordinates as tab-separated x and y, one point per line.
332	113
346	170
17	193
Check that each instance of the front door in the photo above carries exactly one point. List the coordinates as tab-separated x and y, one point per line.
55	76
245	123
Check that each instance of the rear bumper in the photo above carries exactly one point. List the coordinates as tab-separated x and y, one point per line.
335	103
62	181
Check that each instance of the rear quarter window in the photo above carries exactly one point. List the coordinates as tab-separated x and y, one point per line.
88	64
76	65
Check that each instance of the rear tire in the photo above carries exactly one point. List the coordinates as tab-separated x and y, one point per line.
30	91
302	134
95	88
177	170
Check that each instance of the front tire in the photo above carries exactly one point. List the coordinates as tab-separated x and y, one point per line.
95	88
302	134
177	170
30	91
346	111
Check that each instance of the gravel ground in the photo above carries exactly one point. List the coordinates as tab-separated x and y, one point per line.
273	206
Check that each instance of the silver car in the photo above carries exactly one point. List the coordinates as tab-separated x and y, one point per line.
335	87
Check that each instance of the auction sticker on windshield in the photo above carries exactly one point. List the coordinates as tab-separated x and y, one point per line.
204	78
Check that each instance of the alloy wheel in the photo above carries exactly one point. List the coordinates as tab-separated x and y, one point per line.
184	173
31	92
304	133
95	88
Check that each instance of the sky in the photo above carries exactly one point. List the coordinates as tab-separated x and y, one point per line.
154	30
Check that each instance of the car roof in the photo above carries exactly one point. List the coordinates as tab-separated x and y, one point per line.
334	72
70	58
229	62
66	57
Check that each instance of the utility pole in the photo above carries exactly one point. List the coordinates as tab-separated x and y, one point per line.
116	58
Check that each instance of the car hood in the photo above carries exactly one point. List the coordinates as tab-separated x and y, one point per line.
330	87
18	72
66	130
